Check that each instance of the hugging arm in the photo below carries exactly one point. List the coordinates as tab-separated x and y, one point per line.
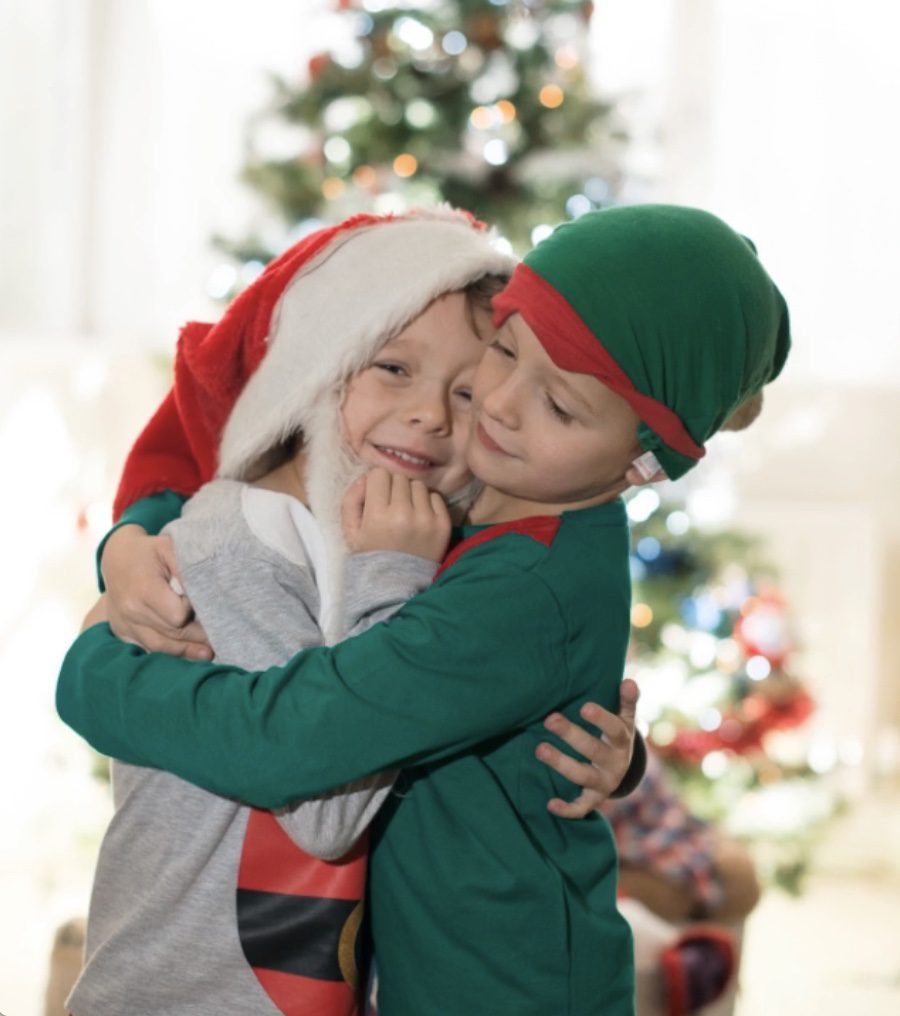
126	612
328	825
400	694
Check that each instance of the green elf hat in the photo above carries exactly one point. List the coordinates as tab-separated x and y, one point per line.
667	306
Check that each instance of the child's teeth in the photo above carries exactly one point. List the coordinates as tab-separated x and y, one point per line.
408	458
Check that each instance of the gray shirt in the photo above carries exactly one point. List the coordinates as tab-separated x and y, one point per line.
162	936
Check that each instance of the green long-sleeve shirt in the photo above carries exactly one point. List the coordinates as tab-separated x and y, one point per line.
482	902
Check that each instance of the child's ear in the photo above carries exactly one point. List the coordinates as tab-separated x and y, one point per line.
745	413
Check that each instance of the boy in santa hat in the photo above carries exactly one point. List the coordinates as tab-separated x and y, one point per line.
626	340
337	388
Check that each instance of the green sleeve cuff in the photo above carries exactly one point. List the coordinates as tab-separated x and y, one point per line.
150	513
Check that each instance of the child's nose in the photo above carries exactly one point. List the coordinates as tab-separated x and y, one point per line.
432	411
500	403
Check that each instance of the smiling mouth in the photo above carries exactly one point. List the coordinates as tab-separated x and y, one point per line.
488	442
407	458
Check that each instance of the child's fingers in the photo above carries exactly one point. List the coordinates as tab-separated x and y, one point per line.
629	693
439	507
582	774
154	632
607	758
615	730
166	608
583	805
186	638
149	596
155	642
352	505
597	783
562	763
421	498
378	489
581	740
193	632
153	604
198	650
198	653
400	492
165	550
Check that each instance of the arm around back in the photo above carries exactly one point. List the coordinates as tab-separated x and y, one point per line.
475	655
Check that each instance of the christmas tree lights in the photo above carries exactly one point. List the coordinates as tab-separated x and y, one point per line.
714	654
487	105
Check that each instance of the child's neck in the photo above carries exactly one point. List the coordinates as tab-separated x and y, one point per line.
493	506
288	478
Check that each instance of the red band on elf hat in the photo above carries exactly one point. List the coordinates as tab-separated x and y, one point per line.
573	346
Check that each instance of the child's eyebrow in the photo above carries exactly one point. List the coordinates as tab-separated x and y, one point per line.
394	344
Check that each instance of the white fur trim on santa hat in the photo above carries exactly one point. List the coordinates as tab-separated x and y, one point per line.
340	309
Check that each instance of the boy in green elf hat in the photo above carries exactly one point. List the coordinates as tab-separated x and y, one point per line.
630	333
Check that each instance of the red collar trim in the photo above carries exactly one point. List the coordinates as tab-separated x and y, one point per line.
572	346
542	528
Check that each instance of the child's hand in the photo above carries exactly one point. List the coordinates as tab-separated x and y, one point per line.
383	511
610	755
142	606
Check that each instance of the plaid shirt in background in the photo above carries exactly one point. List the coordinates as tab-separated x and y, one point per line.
656	833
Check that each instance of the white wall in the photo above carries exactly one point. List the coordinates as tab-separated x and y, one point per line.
816	475
780	115
121	126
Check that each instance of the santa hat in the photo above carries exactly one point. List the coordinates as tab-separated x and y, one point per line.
315	316
667	306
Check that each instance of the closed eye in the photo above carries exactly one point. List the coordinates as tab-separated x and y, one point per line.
396	369
498	347
558	410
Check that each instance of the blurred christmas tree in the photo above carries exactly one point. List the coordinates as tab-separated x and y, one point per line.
487	104
713	653
482	103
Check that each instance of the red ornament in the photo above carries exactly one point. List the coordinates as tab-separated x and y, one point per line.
317	65
762	629
743	732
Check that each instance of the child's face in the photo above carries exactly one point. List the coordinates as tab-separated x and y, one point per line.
544	435
409	410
